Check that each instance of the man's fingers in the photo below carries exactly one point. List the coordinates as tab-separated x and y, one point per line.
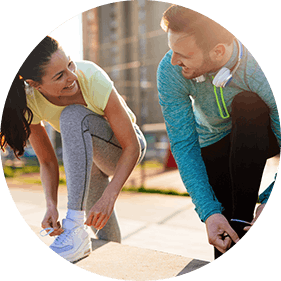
246	228
233	235
227	241
223	244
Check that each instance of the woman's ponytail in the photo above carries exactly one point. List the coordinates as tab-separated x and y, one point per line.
17	117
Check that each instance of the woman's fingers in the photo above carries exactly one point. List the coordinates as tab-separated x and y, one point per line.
97	220
92	219
52	224
89	219
101	222
57	229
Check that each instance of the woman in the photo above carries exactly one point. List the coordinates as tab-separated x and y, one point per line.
99	139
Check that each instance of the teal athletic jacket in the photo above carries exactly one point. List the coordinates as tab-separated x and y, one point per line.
193	120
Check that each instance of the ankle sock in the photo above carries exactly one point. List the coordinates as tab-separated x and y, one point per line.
77	216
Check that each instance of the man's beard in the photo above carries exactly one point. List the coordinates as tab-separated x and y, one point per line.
203	69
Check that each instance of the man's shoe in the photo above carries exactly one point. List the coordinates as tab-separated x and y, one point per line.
74	243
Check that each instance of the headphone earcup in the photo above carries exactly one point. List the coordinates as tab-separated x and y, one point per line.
222	77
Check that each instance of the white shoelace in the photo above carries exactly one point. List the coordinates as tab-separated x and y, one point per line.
60	239
64	237
47	232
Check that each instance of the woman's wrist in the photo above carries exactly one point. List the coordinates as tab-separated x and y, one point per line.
112	191
51	204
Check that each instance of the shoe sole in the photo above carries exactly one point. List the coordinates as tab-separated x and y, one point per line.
83	251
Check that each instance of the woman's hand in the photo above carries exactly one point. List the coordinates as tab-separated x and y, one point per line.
258	212
101	211
49	171
51	220
123	129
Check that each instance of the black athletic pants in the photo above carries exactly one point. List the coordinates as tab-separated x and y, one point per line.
235	164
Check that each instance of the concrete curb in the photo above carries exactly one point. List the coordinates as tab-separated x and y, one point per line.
123	262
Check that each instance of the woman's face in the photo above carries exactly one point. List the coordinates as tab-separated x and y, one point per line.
60	79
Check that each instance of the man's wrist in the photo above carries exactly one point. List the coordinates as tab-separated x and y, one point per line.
213	212
212	216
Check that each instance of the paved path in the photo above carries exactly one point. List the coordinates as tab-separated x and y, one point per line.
167	224
151	221
170	180
133	263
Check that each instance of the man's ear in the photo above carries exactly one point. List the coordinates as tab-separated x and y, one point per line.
32	83
218	52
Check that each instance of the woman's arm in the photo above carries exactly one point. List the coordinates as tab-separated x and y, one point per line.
49	171
123	129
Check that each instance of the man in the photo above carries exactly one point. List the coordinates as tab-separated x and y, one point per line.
222	122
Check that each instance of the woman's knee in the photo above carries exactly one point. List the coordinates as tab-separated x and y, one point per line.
72	113
80	118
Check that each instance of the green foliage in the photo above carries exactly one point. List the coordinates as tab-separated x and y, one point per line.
142	189
62	181
10	171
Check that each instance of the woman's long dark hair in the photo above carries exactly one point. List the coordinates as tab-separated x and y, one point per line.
17	117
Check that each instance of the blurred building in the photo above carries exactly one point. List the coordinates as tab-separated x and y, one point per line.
126	40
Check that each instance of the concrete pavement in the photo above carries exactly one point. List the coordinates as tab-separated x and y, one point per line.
120	261
170	180
162	235
159	222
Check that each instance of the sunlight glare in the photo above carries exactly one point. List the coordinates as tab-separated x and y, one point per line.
69	35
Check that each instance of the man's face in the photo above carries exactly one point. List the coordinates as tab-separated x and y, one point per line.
186	54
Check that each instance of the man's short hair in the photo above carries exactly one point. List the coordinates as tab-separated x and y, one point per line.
207	32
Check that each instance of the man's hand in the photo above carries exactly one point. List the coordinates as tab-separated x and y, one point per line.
220	233
258	212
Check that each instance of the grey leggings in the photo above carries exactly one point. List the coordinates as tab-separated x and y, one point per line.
90	154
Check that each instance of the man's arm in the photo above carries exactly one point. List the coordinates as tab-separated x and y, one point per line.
180	122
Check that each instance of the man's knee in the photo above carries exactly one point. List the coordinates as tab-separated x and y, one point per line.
249	106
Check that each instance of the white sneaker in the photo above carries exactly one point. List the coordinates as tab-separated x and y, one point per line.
74	243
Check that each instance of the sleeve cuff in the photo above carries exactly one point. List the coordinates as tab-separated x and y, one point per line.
263	198
214	208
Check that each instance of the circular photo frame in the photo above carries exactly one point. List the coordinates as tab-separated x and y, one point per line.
160	100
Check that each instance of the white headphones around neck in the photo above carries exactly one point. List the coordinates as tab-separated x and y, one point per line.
225	75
